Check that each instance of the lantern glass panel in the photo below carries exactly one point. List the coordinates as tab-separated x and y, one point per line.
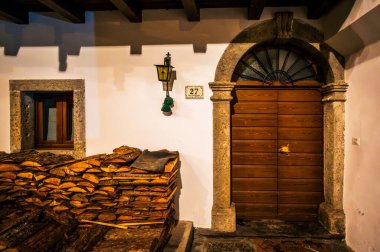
164	72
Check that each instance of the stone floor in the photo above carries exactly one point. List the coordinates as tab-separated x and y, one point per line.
270	236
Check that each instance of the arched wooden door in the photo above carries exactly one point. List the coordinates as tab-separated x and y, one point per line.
277	136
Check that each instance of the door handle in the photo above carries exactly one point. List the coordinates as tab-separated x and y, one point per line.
284	149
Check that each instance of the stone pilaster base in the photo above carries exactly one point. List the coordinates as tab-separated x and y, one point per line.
333	220
224	219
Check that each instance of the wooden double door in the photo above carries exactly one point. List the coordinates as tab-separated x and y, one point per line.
277	153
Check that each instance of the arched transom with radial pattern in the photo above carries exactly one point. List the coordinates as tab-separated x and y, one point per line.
276	65
277	135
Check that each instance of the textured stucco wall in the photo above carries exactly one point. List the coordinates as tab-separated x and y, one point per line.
362	164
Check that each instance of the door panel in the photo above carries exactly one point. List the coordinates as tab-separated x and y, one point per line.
266	183
269	197
246	133
247	120
302	121
254	145
254	184
256	95
254	171
300	108
256	108
300	172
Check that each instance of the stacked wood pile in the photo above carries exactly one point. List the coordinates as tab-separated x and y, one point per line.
101	189
33	230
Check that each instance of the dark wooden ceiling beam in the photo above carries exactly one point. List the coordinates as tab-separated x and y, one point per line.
255	9
67	9
129	9
316	8
192	9
13	13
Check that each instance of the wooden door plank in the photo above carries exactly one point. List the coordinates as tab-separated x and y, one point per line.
257	197
300	159
298	108
249	120
294	209
300	172
299	95
254	171
254	184
304	121
258	108
302	146
246	133
254	146
244	95
300	197
300	133
303	185
241	158
298	217
249	211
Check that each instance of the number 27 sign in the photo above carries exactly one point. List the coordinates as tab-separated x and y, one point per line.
194	92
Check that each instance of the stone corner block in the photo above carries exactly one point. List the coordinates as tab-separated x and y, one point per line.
333	220
224	219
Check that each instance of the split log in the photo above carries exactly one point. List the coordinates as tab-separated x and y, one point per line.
21	232
16	220
91	177
9	167
52	237
87	238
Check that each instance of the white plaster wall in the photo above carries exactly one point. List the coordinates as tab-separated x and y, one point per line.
362	164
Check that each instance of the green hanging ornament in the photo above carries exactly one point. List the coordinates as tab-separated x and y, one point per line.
167	105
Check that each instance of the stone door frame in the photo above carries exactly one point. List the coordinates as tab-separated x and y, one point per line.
283	28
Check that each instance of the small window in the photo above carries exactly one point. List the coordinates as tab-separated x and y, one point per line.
54	120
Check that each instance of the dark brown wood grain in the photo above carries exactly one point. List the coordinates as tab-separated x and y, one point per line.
254	158
298	108
254	171
246	133
300	185
256	211
266	120
306	172
289	197
299	95
300	121
254	145
262	108
300	159
302	146
267	197
254	184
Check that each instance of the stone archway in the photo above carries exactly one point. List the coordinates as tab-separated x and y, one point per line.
282	28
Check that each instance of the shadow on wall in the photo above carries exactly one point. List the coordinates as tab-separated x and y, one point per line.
111	28
362	32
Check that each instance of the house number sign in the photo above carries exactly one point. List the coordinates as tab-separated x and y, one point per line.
194	92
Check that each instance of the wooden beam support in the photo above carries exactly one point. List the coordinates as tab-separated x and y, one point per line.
129	9
67	9
192	9
13	13
316	8
255	9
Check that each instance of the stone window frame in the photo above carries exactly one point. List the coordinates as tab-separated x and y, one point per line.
282	29
21	121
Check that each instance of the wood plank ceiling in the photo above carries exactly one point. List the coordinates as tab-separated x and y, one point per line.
73	11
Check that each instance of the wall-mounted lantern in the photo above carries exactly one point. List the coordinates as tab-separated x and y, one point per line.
167	76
